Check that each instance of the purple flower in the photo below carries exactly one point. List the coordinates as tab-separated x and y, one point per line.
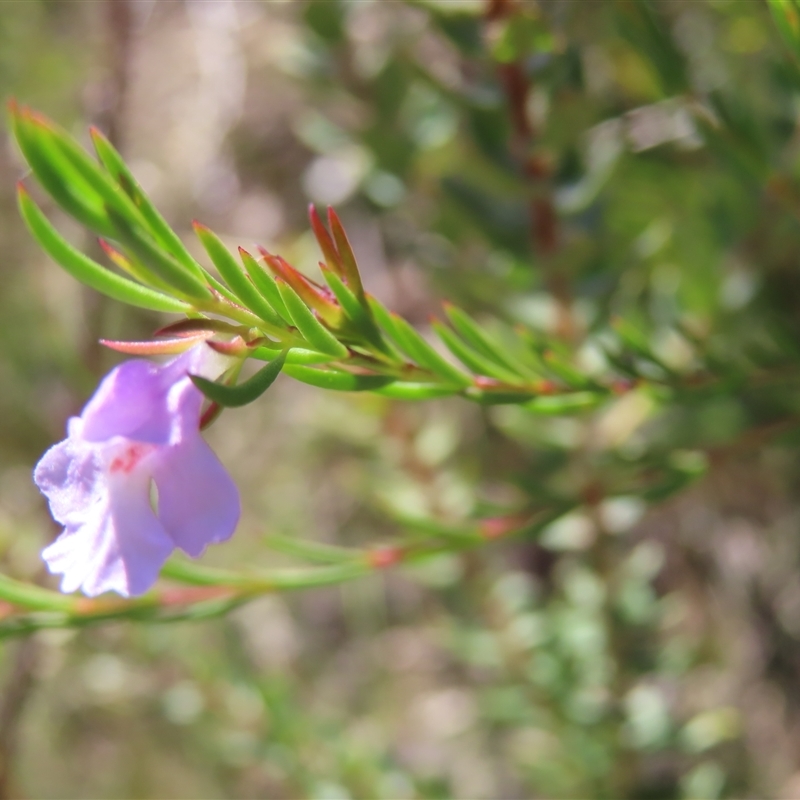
134	480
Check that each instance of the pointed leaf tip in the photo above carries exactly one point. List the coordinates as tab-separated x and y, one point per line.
325	241
346	257
244	393
315	220
234	276
210	415
37	118
108	249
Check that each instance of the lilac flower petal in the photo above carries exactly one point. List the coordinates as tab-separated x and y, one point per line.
70	556
121	547
198	503
185	400
87	557
200	360
142	543
135	399
130	401
184	403
70	475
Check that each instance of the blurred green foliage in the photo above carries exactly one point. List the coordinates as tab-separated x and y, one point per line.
621	179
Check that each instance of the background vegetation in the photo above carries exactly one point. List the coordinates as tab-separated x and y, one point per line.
606	174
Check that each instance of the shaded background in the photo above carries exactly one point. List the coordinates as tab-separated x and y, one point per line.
552	172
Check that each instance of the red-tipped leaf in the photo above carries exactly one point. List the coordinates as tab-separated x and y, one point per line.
164	347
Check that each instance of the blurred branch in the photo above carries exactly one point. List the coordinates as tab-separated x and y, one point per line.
213	592
544	221
16	692
119	26
20	682
108	109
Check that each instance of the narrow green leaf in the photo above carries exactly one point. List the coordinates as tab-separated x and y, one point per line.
158	226
134	268
347	300
32	597
309	326
315	552
565	403
407	390
234	275
184	571
470	357
357	312
243	393
265	284
574	378
310	577
418	522
158	259
26	624
89	170
383	317
90	272
414	345
297	355
60	181
481	340
335	380
29	623
221	288
286	579
496	398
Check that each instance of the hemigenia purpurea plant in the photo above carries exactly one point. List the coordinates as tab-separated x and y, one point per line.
334	336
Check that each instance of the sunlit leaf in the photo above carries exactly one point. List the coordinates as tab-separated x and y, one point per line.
308	325
90	272
234	276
